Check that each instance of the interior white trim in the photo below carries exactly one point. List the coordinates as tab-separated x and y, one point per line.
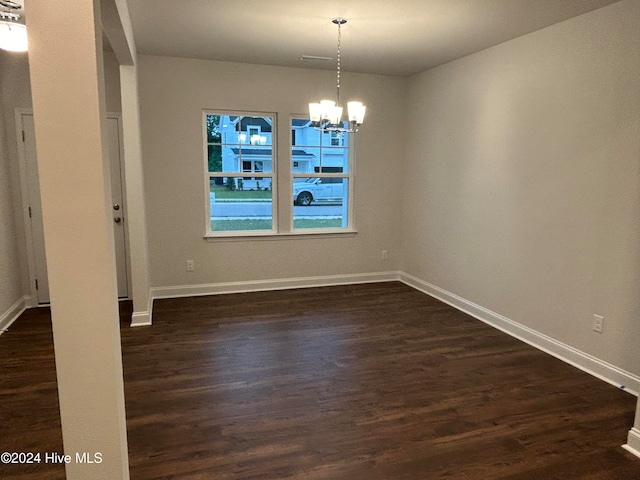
585	362
11	315
277	284
24	192
140	319
633	442
143	319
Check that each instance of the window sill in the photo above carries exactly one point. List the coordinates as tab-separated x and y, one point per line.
280	236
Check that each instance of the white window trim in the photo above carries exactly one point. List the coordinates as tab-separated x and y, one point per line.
279	176
349	174
268	176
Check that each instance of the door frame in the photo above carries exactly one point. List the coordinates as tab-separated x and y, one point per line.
32	300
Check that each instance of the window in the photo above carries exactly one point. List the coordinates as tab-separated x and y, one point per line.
238	145
242	183
321	178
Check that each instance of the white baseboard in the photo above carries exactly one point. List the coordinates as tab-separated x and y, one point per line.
11	315
633	442
588	363
277	284
143	319
140	319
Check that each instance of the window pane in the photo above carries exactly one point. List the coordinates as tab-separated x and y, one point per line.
316	151
240	163
214	158
305	160
335	139
213	129
238	204
302	134
320	203
256	130
247	159
335	159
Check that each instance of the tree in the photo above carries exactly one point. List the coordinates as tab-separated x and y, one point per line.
214	136
213	129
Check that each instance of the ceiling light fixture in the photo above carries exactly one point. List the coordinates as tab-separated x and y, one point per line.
327	115
13	34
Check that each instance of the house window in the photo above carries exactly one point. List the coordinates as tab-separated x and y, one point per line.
253	133
337	139
239	145
322	178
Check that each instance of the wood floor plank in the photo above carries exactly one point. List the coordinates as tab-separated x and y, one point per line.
375	381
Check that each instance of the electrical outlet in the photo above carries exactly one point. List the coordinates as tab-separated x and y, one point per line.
384	255
598	323
190	266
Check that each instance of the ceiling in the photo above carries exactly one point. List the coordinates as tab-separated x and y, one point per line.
401	37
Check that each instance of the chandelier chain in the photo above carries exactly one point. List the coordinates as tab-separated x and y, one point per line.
338	78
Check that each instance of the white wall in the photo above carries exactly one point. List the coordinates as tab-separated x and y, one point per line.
11	291
15	92
521	184
173	93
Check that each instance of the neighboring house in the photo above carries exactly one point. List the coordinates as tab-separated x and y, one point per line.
248	148
331	150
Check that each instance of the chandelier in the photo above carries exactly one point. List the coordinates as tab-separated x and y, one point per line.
327	115
13	34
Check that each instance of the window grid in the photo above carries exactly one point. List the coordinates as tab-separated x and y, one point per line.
235	146
322	179
241	145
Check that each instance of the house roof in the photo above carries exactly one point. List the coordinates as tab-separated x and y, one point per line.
301	153
264	125
300	122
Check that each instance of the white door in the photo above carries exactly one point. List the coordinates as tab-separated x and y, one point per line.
117	204
35	208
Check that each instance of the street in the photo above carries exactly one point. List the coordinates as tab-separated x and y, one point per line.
263	209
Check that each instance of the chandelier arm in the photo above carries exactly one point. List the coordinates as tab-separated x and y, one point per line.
10	4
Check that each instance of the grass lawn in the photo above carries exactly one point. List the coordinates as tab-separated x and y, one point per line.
236	225
245	224
320	223
222	192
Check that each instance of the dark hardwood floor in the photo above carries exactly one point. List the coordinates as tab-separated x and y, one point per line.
374	381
